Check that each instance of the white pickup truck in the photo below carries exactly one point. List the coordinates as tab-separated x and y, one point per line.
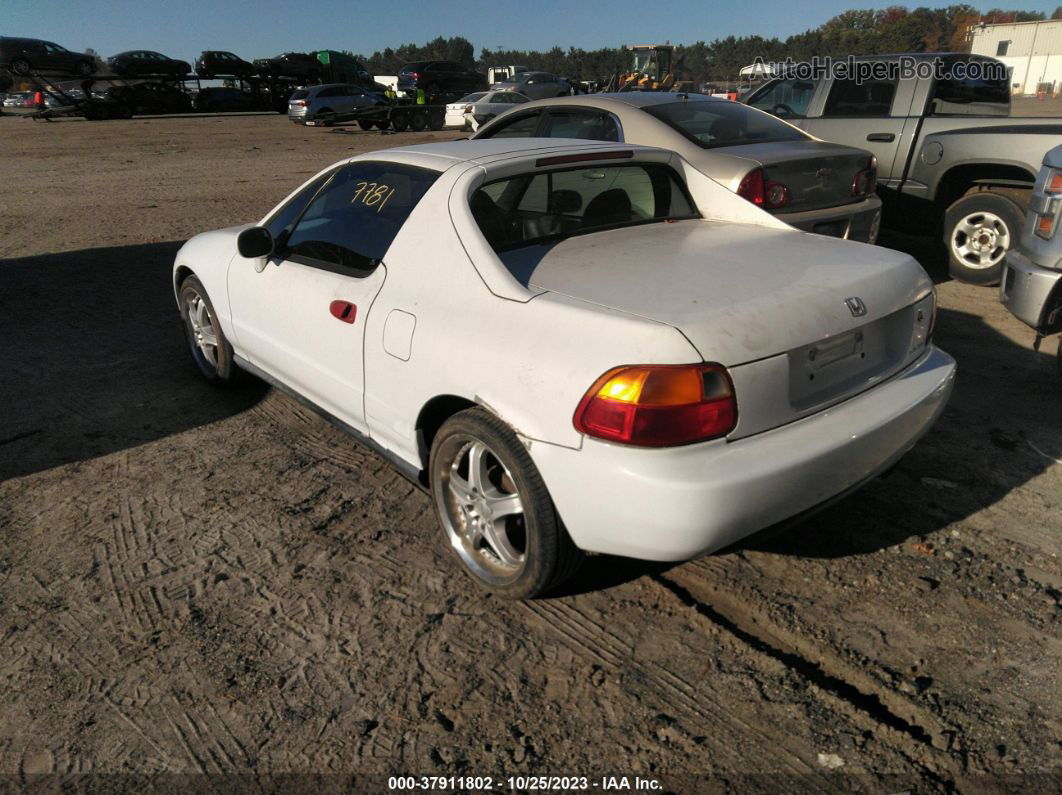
951	159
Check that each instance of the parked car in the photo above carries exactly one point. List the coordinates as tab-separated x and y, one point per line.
575	347
147	63
220	63
439	78
469	112
23	56
953	161
813	185
297	65
149	98
17	99
321	104
223	100
1031	287
536	85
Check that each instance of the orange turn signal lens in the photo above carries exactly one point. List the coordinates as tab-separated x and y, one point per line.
1054	183
1045	226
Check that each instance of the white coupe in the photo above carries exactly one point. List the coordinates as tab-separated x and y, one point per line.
575	347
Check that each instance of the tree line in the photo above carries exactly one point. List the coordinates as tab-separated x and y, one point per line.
854	32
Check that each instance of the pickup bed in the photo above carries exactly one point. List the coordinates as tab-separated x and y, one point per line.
952	161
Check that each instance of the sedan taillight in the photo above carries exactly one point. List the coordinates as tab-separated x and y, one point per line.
865	182
659	405
769	194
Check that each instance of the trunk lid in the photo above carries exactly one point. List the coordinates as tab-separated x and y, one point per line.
818	174
739	293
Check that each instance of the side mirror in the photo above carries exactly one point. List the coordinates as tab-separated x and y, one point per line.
255	242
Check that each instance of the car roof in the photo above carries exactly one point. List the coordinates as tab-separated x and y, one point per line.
442	156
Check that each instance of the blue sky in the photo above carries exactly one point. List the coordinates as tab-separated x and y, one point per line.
261	28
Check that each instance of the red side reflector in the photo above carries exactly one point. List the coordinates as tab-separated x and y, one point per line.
625	154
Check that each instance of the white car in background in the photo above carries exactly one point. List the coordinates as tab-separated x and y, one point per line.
469	112
575	347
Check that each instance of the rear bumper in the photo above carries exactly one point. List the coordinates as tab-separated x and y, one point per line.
858	221
678	503
1026	288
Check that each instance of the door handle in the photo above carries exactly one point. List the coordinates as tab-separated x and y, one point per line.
343	310
883	137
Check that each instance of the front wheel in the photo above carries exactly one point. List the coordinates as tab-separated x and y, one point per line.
211	352
494	509
365	124
20	66
978	230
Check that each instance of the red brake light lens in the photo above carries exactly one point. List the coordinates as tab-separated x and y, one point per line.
865	182
752	187
659	405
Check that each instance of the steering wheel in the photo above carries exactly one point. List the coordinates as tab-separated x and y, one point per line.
781	109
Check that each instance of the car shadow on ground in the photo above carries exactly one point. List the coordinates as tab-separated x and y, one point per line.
94	358
994	437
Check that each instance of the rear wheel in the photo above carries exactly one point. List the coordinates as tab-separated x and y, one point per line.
211	352
326	117
436	120
494	509
418	120
84	68
400	120
978	230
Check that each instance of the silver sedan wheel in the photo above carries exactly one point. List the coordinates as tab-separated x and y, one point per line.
201	327
980	240
482	510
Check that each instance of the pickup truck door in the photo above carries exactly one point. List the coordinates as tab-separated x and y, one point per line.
872	115
300	314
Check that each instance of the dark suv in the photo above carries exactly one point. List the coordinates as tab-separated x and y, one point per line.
296	65
440	77
212	63
23	56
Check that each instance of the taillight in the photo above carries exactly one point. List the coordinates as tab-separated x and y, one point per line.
1048	210
468	109
752	187
865	182
300	102
659	405
1054	182
757	189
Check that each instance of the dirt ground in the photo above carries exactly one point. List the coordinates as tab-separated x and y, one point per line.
220	584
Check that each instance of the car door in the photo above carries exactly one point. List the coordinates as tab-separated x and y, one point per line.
56	57
867	113
299	315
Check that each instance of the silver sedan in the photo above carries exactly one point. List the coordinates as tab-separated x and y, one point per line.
811	184
535	85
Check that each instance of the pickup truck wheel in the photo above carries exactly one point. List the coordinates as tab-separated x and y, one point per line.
211	352
497	517
978	230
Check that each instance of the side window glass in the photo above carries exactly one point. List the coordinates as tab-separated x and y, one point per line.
284	219
854	98
788	99
588	125
354	219
520	127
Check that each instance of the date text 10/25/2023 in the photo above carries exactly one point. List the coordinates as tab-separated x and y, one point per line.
523	783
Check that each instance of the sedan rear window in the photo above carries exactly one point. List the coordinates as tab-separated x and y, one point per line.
470	98
549	206
715	124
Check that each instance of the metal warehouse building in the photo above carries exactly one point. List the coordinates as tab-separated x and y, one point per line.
1032	52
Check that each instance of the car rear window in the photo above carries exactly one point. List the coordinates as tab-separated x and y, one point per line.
302	93
472	97
548	206
715	124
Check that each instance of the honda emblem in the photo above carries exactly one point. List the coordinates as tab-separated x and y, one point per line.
856	306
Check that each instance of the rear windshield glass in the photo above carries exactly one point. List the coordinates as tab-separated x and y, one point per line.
411	67
553	205
302	93
712	125
472	97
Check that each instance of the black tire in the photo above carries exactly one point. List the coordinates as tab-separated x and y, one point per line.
535	534
20	66
978	229
85	68
222	370
326	117
382	125
418	120
436	120
400	120
365	124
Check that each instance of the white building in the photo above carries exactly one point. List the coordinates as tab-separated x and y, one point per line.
1032	52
